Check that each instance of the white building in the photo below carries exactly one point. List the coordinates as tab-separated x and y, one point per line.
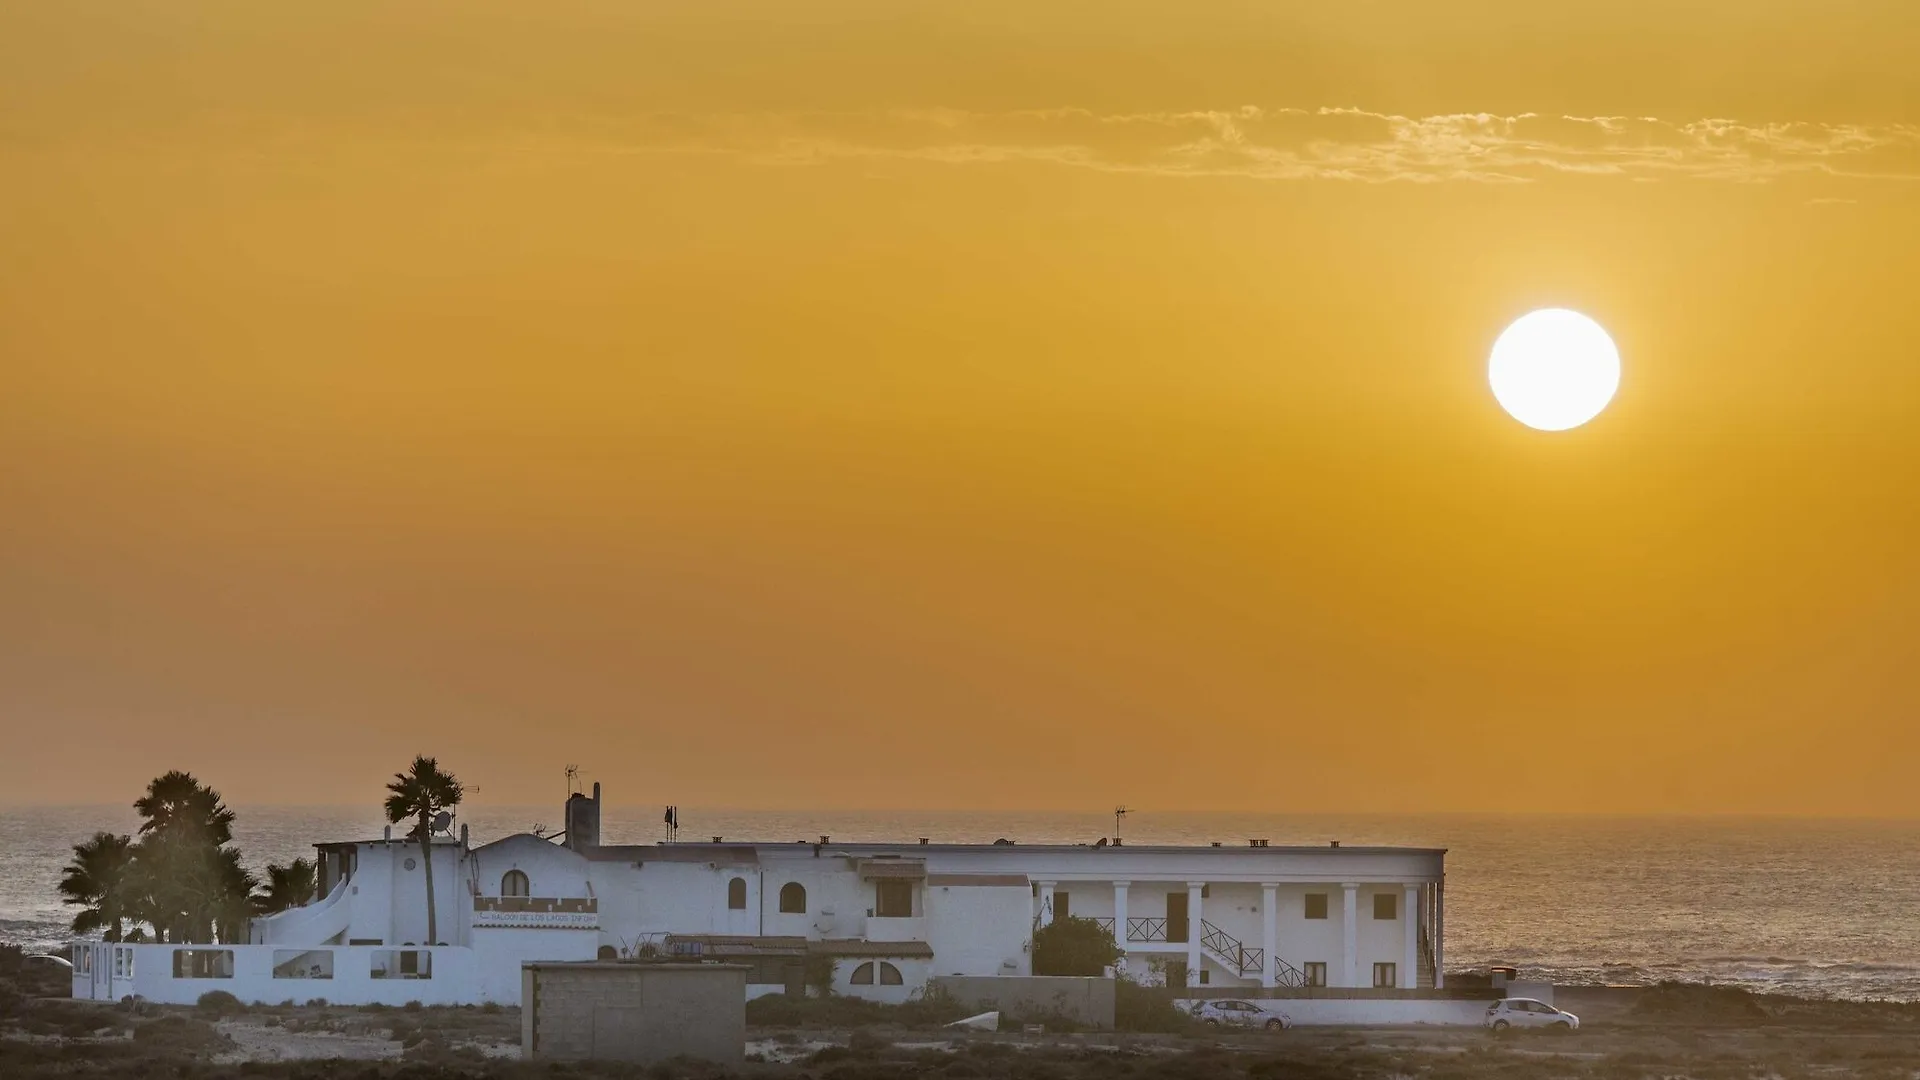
891	916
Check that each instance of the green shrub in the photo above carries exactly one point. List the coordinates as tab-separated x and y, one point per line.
1074	946
413	1006
1140	1008
218	1003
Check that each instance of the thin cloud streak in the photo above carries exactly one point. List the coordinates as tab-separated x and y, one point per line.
1342	144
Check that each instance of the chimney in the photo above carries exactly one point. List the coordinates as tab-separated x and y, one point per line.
825	839
716	839
583	820
923	841
1336	843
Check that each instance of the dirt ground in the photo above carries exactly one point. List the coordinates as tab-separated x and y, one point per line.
1638	1034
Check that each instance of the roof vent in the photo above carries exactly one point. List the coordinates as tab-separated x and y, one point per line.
1336	843
1216	843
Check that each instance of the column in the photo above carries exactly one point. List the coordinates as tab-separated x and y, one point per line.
1269	931
1440	934
1410	918
1046	902
1194	915
1350	935
1120	914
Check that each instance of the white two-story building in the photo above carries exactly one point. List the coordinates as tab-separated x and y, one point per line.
890	916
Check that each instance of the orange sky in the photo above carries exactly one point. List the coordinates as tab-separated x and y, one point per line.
906	404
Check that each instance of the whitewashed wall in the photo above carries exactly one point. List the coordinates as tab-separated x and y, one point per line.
455	978
977	929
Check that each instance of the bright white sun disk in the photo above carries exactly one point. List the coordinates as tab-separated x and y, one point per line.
1554	369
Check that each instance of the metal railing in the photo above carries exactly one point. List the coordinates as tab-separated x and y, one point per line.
1145	928
1229	950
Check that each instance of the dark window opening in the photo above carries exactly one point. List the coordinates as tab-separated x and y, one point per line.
862	975
893	899
1316	905
737	894
1316	973
889	975
515	883
1386	976
793	898
1384	906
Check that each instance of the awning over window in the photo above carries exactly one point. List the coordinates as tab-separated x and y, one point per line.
911	869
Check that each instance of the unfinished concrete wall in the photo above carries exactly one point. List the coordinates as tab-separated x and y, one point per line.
611	1011
1087	1001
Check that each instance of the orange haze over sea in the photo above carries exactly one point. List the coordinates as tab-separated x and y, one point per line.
998	404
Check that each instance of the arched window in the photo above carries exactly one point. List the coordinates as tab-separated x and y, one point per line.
608	952
793	898
515	883
889	975
737	894
863	975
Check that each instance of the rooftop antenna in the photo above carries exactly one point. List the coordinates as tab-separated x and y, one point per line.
1118	813
573	781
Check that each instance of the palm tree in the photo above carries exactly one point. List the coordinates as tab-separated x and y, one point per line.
177	802
101	879
421	793
193	885
288	886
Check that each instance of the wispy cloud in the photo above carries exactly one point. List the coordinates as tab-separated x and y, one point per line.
1347	144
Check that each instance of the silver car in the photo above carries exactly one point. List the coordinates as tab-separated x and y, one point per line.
1528	1013
1240	1014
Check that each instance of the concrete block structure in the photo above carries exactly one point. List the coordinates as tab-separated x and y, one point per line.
633	1012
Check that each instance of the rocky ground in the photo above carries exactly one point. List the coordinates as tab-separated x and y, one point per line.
1639	1034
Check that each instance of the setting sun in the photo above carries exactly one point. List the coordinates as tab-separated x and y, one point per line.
1554	369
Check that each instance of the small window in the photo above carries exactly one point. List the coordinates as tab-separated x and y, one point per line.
1206	892
1316	973
86	960
793	898
128	953
863	975
1386	976
889	975
893	899
1062	904
1384	906
1205	976
737	894
515	883
1316	905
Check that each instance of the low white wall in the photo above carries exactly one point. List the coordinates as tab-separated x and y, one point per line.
1362	1012
455	977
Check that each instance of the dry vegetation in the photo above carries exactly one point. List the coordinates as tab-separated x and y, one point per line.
1652	1034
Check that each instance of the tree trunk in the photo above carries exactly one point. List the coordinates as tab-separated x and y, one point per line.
426	859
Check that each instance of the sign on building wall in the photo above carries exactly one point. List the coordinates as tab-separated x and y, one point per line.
536	920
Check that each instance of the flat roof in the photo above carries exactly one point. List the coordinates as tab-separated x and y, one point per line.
906	848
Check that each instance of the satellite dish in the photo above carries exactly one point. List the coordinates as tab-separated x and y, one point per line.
442	821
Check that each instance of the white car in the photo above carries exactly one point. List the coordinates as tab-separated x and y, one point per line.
50	964
1528	1013
1240	1014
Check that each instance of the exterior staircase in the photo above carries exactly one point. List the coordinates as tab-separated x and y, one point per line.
1244	960
1425	980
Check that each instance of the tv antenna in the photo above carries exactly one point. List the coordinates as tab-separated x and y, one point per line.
1118	813
573	781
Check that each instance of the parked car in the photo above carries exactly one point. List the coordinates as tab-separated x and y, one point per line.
50	965
1528	1013
1240	1014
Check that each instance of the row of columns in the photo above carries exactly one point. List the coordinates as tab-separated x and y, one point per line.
1410	913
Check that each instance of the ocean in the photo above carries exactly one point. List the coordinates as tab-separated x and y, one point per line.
1818	908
